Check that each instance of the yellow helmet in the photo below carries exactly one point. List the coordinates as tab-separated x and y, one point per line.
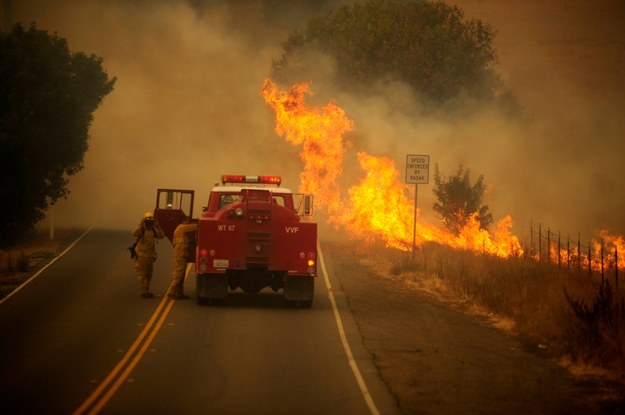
148	215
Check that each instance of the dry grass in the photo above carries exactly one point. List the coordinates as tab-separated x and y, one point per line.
573	316
20	261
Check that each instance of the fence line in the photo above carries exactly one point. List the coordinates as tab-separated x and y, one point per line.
597	256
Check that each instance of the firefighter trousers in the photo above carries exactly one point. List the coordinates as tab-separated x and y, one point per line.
143	269
177	281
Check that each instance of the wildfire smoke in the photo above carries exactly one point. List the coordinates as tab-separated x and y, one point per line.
379	207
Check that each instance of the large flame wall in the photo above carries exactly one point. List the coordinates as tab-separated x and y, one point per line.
379	206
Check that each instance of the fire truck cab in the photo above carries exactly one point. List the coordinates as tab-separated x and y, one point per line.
252	234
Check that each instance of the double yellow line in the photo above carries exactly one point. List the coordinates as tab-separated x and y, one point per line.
96	401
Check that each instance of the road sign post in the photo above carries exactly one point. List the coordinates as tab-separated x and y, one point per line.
417	172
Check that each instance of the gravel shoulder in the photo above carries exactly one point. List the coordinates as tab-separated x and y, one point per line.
438	356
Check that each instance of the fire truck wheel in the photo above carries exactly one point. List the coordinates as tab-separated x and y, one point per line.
211	288
300	290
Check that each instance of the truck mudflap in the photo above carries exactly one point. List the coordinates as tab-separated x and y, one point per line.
299	289
211	288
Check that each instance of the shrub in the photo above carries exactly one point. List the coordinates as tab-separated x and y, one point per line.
596	333
22	262
531	293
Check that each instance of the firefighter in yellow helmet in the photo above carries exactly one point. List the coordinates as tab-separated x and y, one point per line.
146	232
182	242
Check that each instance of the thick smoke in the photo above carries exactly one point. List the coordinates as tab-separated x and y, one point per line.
563	166
560	164
186	108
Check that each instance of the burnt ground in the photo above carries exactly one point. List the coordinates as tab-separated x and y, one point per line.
438	356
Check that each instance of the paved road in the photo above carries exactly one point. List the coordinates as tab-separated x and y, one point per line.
78	339
439	359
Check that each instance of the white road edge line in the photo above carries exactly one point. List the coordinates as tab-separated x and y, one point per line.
46	266
348	351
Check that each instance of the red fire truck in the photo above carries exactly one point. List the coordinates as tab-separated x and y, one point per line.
252	234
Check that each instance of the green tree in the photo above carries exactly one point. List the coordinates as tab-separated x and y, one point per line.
458	199
426	44
47	97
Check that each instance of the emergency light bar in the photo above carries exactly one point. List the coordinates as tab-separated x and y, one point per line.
232	178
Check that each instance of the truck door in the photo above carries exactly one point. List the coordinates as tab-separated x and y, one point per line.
172	205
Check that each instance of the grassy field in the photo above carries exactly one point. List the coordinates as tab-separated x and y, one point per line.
18	263
574	316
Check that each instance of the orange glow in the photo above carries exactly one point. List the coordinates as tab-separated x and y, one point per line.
380	206
611	243
319	132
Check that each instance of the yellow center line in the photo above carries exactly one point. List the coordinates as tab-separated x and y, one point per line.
127	357
107	396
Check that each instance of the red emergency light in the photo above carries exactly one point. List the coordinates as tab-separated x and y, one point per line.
233	178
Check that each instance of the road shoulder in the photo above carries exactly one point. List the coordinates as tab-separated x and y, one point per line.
437	357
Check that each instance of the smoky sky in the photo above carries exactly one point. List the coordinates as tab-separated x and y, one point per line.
187	108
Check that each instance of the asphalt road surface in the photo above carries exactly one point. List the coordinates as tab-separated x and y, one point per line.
77	338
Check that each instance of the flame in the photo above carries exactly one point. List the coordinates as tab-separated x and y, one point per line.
600	255
320	132
607	245
379	207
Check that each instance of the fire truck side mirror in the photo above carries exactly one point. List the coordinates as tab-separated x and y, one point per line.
308	205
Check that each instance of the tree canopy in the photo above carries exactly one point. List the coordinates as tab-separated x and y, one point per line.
47	97
458	199
427	44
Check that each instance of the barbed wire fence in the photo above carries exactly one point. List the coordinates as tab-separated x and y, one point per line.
596	257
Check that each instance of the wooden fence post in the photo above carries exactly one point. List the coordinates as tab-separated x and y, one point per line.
548	245
616	269
540	243
559	255
589	261
579	253
601	251
568	251
531	238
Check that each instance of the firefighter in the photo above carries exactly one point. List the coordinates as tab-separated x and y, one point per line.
181	242
146	232
225	201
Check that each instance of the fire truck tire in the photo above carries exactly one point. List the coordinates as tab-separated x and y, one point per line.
211	288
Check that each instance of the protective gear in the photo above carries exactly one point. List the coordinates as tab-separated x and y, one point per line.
145	249
181	250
